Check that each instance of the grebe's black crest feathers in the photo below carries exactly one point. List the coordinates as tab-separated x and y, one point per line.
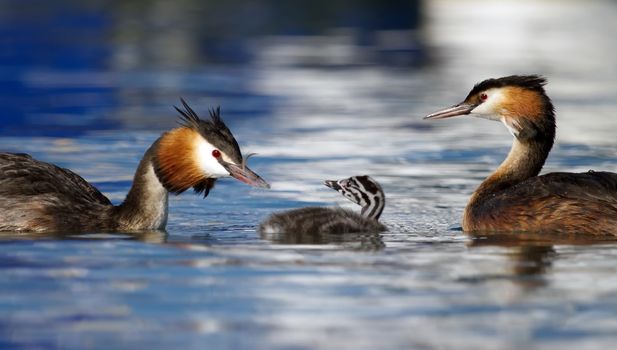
531	82
214	130
221	135
188	117
225	133
215	114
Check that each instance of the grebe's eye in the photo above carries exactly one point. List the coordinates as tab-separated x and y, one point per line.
216	153
483	97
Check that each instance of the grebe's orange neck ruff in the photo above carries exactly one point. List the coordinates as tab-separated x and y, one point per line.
170	165
177	161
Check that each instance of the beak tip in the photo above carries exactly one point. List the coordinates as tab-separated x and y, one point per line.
462	108
246	175
333	184
259	183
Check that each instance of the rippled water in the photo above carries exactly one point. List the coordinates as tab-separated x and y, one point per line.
213	282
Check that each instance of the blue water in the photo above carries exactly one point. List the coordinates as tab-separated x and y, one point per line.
212	282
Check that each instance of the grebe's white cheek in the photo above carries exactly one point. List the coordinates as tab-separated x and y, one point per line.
208	163
489	109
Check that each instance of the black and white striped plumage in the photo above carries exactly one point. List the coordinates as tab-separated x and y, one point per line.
362	190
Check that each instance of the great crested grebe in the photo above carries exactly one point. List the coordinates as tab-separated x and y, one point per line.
362	190
514	198
41	197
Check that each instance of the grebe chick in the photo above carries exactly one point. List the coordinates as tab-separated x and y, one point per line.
362	190
514	198
40	197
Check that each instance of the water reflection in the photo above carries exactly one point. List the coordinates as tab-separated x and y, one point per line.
70	67
142	236
215	281
531	260
527	263
544	238
530	256
353	241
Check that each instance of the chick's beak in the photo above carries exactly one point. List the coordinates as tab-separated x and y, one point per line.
332	184
246	175
462	108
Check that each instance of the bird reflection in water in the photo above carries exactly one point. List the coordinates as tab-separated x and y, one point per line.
531	255
353	241
154	236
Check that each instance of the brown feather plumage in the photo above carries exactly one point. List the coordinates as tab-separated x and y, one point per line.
176	160
515	199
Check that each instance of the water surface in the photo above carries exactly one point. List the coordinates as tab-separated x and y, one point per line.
212	281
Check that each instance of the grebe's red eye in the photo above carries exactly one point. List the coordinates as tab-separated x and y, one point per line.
216	153
483	97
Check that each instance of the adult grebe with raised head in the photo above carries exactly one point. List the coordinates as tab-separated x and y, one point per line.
41	197
514	197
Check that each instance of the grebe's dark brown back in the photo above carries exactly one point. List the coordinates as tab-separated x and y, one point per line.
514	197
40	197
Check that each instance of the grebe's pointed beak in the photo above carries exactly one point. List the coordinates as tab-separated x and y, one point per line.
462	108
332	184
246	175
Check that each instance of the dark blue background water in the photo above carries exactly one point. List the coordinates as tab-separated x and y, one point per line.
326	90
